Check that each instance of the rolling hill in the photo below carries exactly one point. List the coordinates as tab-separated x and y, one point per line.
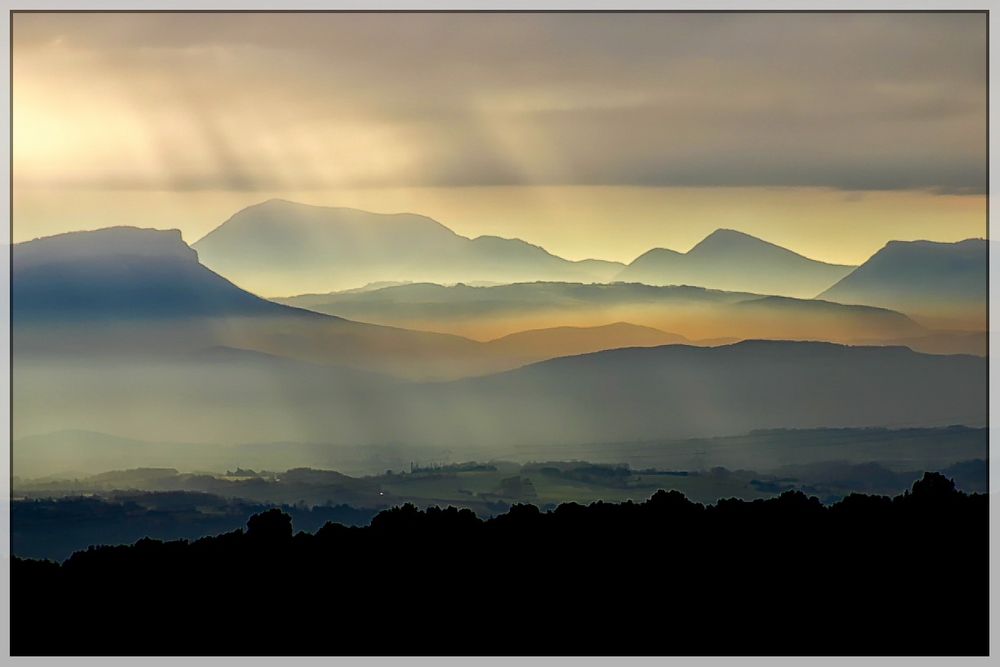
564	341
624	395
685	391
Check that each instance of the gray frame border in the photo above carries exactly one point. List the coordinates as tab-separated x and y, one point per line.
6	194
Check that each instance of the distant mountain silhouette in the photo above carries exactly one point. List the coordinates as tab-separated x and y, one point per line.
693	312
945	284
281	247
730	260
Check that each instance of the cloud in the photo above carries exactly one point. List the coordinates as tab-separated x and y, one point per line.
255	101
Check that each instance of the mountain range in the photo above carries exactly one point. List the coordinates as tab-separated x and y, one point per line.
281	247
123	331
108	290
126	292
692	312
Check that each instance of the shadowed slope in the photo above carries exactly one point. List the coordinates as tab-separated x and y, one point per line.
123	273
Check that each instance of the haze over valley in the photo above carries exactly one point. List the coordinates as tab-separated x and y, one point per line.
125	331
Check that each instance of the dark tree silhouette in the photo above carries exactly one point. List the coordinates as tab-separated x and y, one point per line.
272	527
870	575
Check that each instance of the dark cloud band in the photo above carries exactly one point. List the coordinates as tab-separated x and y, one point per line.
849	101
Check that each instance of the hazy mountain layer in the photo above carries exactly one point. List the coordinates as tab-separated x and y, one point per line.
673	391
944	284
126	293
692	312
74	455
280	247
537	344
731	260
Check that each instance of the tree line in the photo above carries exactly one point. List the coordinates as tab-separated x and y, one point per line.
869	575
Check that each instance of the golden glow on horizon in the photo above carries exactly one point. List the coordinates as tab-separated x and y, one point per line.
615	223
592	136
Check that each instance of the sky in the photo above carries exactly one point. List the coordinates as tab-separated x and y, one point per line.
594	135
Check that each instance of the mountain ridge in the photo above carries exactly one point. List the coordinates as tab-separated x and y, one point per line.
732	260
282	247
938	282
695	313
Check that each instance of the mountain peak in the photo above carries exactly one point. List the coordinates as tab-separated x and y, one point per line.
725	232
278	204
731	239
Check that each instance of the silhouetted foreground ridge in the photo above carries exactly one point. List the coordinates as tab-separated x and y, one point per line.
869	575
